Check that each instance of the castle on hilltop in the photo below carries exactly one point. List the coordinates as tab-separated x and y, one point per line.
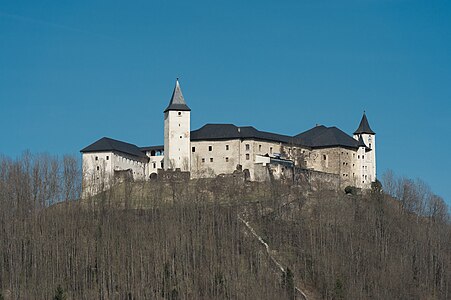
222	149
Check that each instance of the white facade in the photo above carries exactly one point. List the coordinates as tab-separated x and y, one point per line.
177	140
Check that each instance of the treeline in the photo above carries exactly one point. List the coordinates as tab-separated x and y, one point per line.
371	246
188	247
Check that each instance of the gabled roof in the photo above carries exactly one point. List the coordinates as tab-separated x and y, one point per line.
364	126
230	131
107	144
322	137
177	101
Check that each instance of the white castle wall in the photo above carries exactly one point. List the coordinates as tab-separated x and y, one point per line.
99	167
177	140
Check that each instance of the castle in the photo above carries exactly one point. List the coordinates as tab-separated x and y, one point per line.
221	149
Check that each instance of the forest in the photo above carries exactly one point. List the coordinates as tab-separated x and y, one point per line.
219	238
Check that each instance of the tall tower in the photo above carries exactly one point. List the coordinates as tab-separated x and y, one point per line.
177	132
368	136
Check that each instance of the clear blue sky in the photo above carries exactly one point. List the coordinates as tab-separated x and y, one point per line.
74	71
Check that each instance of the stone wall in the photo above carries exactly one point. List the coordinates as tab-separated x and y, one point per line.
317	180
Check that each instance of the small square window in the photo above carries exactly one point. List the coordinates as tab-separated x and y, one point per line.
203	160
180	113
247	147
211	159
180	136
247	156
210	148
193	149
227	147
227	159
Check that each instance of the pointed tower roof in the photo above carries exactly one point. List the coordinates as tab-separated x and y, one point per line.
177	101
364	126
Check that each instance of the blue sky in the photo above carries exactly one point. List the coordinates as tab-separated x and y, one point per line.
74	71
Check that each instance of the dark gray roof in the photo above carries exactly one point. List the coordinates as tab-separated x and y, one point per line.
150	148
364	126
177	101
317	137
230	131
107	144
322	137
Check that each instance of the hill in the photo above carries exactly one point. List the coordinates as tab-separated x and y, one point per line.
217	239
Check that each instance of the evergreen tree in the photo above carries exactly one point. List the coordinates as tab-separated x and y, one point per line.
59	293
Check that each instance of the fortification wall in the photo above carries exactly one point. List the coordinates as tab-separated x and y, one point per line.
317	180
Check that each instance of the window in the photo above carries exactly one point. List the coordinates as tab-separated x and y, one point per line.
107	157
180	113
370	145
210	148
227	159
227	147
259	147
154	165
270	150
247	147
98	168
358	156
211	159
193	149
363	156
247	156
203	160
97	158
180	136
324	157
